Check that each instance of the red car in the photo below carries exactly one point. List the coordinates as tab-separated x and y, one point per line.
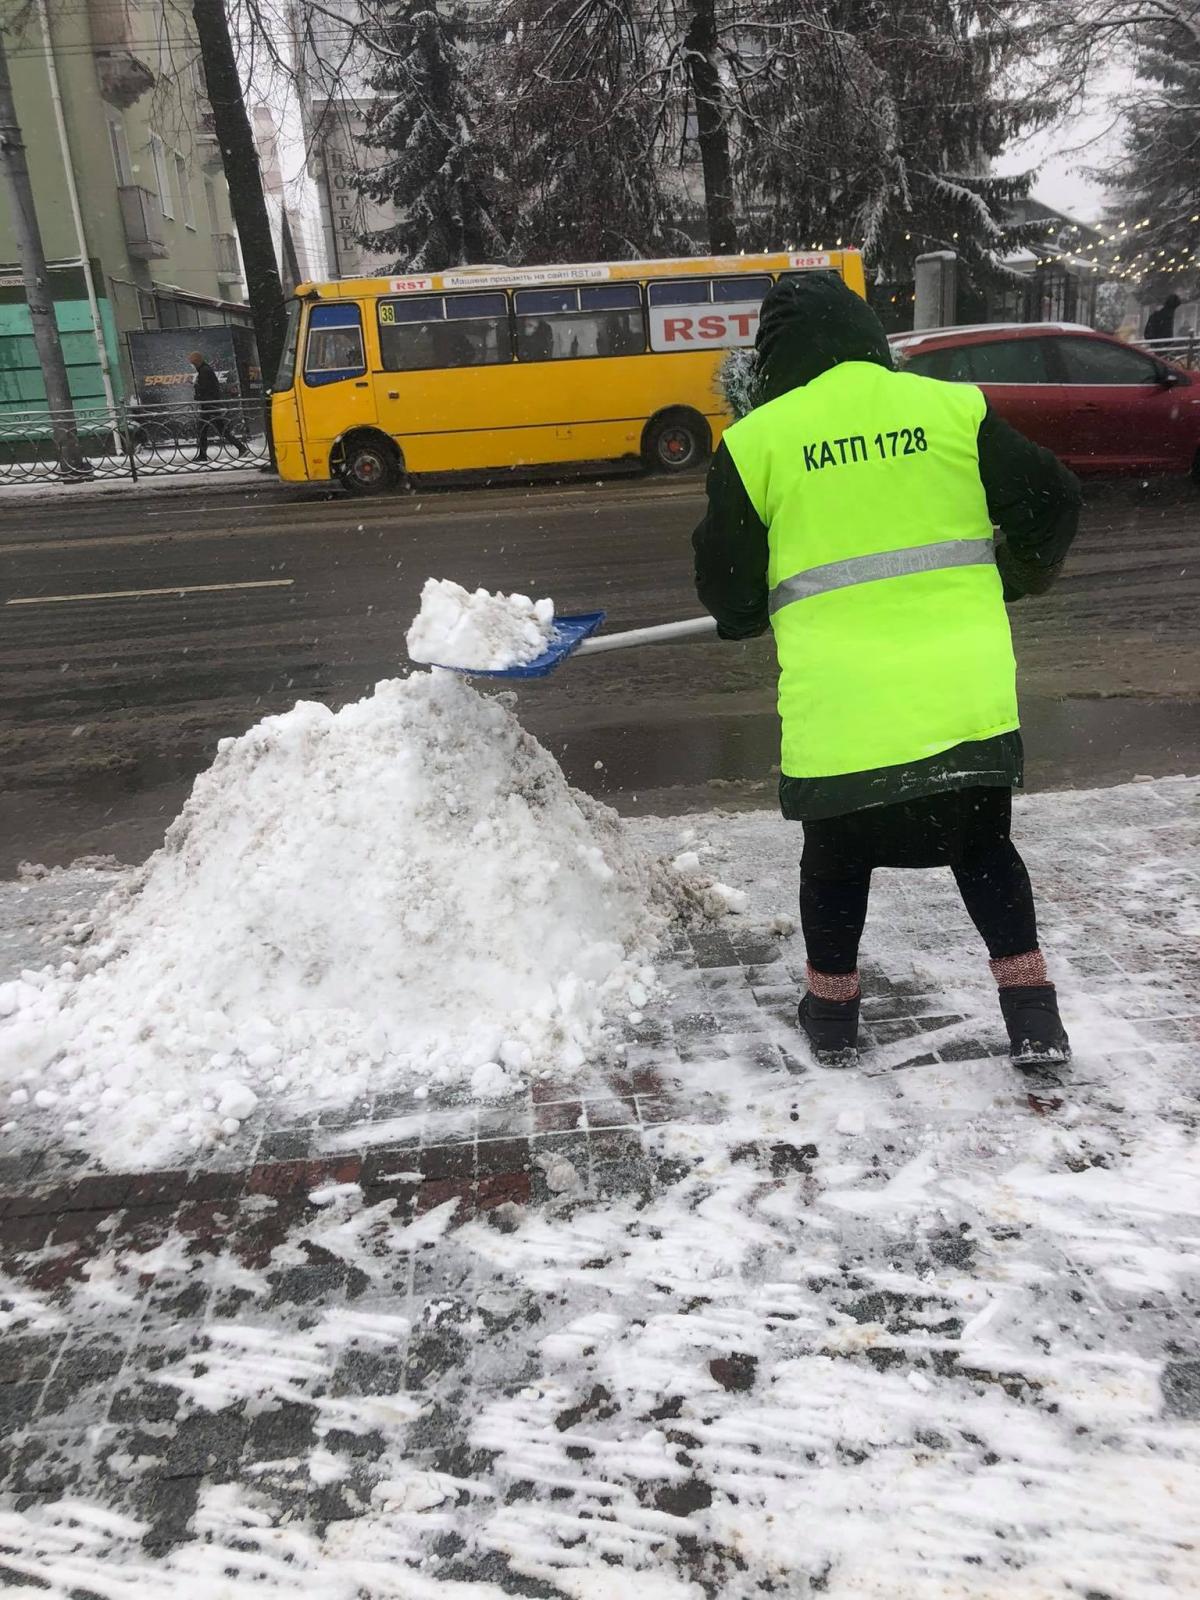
1098	403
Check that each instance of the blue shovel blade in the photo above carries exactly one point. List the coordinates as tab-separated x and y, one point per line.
569	633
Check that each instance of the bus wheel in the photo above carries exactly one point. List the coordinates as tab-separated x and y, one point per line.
675	441
368	464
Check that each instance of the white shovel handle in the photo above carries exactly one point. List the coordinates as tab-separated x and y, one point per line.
664	633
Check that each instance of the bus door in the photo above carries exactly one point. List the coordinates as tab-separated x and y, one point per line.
445	363
336	391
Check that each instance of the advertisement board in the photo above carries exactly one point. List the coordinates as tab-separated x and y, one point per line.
163	376
704	327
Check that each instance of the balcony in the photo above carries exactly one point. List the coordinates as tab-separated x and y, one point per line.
208	146
145	234
229	268
122	74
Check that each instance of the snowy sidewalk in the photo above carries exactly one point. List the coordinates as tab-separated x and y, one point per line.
231	475
703	1321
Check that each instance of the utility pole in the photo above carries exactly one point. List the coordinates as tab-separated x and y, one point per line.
244	177
39	295
712	125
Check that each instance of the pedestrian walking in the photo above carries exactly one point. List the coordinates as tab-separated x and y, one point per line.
1160	324
206	387
852	510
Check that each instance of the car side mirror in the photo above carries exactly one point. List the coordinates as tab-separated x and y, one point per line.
1170	377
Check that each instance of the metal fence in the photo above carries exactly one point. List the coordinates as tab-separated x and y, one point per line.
131	442
1184	351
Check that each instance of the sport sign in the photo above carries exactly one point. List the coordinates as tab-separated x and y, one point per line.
704	327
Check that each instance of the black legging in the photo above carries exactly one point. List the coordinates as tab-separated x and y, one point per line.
993	883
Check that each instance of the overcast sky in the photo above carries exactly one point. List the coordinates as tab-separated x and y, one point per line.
1093	139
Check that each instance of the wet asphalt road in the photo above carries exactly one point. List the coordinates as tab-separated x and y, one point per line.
111	705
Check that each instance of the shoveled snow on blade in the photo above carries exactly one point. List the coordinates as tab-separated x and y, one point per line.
402	892
484	631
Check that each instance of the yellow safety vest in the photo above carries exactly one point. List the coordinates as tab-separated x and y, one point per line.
886	605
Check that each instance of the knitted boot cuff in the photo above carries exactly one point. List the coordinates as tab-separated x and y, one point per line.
1018	972
833	985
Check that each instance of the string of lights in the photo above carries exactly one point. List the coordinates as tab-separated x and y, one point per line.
1132	269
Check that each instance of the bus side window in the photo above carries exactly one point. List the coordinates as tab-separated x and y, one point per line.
809	272
676	292
406	332
738	288
335	345
424	332
616	313
573	324
543	329
476	331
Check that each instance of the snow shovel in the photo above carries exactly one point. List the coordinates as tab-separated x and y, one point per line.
573	636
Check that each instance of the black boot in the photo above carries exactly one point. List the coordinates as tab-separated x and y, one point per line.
1035	1029
832	1029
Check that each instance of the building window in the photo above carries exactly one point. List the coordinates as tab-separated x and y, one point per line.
120	151
210	201
185	192
158	154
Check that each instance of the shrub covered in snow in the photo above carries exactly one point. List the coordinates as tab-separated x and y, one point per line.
739	381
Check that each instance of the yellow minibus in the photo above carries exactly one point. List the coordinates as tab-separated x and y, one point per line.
481	368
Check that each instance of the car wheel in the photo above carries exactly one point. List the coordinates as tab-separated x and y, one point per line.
676	442
369	465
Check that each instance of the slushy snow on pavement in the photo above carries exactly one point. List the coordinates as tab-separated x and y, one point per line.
403	892
701	1321
484	631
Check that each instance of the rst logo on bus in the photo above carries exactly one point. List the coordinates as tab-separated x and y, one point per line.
703	327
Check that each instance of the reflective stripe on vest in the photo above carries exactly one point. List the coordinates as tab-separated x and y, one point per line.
891	564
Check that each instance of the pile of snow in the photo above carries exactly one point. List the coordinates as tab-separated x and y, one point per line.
402	893
484	631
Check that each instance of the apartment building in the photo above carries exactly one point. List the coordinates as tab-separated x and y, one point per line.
333	68
128	185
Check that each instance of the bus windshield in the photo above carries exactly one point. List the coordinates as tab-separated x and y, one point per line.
285	377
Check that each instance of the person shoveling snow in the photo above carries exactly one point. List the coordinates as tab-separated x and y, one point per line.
401	893
851	510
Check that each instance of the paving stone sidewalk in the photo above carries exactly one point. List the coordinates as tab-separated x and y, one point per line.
699	1324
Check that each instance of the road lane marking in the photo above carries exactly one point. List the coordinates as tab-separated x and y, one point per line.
141	594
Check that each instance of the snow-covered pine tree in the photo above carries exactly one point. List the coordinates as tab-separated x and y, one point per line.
877	121
429	152
578	100
1158	179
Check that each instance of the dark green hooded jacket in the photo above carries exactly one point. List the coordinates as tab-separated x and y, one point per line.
809	324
